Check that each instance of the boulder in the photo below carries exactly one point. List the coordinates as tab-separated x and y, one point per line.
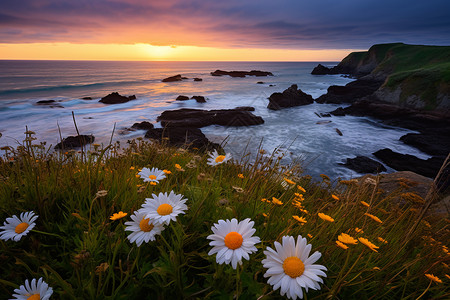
364	165
86	98
182	136
115	98
199	99
145	125
290	97
198	79
260	82
241	73
350	92
173	78
186	117
430	142
322	70
182	98
78	141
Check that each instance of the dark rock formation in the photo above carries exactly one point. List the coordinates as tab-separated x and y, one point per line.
241	73
406	162
363	165
50	103
198	118
199	99
322	70
145	125
260	82
181	136
289	98
182	98
115	98
430	142
338	131
350	92
173	78
71	142
86	98
198	79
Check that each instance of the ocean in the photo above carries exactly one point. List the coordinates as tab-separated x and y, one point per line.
293	131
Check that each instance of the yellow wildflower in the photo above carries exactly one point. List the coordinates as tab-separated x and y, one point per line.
117	216
276	201
433	278
359	230
309	235
342	245
375	218
301	189
131	168
447	276
241	176
289	181
368	244
376	268
365	203
334	197
179	168
300	219
153	183
265	215
325	217
347	239
382	240
303	210
167	172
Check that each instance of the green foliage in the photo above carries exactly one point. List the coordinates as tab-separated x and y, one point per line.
82	254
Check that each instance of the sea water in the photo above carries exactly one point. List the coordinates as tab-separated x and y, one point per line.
294	131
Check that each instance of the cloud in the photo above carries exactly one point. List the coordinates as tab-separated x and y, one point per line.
291	24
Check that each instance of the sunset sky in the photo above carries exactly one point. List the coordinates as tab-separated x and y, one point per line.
261	30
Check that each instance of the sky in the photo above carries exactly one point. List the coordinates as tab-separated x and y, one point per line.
275	30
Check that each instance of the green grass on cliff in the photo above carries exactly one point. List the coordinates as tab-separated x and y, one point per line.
83	254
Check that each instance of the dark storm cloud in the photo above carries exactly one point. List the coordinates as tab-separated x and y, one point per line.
258	23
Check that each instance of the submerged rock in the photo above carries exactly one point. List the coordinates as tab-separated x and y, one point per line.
290	97
115	98
198	79
363	164
199	99
78	141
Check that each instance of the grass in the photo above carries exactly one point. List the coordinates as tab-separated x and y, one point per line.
82	254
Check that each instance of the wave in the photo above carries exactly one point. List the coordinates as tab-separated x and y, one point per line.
70	86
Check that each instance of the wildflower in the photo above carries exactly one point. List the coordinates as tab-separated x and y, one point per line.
15	228
265	200
143	230
241	176
132	168
153	183
153	175
163	208
289	181
167	172
347	239
358	230
33	290
232	241
342	245
117	216
101	193
301	189
433	278
382	240
375	218
368	244
276	201
300	219
179	168
447	276
216	159
376	269
291	268
309	235
325	217
365	203
265	215
334	197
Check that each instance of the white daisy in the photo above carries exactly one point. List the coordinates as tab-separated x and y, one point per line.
143	230
16	227
216	159
162	208
291	268
34	291
233	241
154	174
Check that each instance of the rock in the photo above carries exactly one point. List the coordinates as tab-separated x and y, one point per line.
260	82
363	164
199	99
350	92
325	115
173	78
71	142
406	162
198	118
271	84
323	122
198	79
182	98
289	98
321	70
145	125
340	111
115	98
241	73
245	108
181	136
46	102
338	132
430	142
86	98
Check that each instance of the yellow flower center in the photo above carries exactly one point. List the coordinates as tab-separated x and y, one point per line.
164	209
293	266
233	240
145	226
152	177
34	297
220	158
21	227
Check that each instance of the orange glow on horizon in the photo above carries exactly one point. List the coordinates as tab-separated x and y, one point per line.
146	52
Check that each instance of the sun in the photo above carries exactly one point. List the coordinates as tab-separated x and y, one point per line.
158	52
